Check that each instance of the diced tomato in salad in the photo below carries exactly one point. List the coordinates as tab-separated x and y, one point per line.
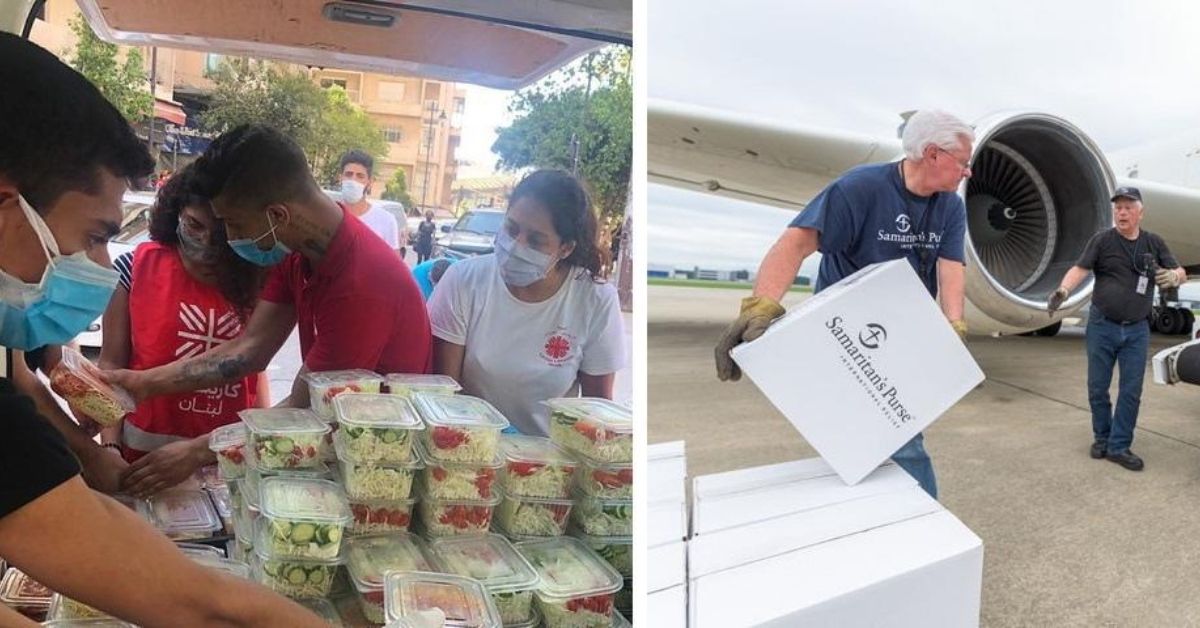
374	597
334	391
525	469
448	437
608	479
483	481
235	454
601	604
593	432
463	517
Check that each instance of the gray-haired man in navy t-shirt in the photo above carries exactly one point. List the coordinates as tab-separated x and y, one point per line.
871	214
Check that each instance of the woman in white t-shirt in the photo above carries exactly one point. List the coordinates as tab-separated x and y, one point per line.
533	320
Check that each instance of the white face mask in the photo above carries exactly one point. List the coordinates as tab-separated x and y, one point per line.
520	265
352	191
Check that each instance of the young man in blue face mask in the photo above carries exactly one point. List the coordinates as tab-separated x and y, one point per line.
355	301
358	175
65	158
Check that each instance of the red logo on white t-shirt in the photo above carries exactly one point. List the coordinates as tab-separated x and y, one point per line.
558	347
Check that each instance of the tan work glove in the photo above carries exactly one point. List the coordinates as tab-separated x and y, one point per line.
1056	300
960	328
1166	279
757	315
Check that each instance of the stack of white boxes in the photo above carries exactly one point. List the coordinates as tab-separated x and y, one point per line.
667	557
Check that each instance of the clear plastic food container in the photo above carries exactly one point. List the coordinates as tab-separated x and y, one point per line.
376	428
608	481
615	550
458	480
78	381
463	600
222	499
368	558
230	566
193	550
460	428
295	577
302	518
603	517
597	429
182	514
324	387
619	620
453	517
63	608
536	467
323	609
623	601
88	623
373	516
24	594
285	438
229	443
406	384
495	563
533	516
577	586
377	480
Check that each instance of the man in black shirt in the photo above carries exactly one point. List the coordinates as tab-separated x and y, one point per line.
1127	263
66	155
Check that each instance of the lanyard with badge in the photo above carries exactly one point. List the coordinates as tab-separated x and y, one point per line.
1143	283
921	250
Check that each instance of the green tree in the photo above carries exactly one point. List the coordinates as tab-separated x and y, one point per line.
585	107
397	190
125	84
322	121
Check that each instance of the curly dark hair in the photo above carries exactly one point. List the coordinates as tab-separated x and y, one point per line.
572	215
238	280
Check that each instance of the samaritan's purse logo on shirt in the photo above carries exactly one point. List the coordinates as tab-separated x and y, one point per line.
558	347
902	223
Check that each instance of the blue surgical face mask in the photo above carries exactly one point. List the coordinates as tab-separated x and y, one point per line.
73	292
248	249
520	265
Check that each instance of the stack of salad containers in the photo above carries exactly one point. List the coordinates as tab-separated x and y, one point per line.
537	488
298	545
461	454
377	460
495	563
228	442
368	558
576	588
325	386
281	439
407	384
600	433
463	601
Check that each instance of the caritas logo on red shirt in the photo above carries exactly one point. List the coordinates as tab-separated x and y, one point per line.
559	347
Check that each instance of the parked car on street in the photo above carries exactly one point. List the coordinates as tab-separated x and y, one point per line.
473	234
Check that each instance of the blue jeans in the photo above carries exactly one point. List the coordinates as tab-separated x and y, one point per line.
913	459
1111	343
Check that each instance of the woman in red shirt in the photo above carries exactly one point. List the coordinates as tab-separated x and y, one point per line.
180	294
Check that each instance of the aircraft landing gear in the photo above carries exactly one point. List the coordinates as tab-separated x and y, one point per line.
1172	321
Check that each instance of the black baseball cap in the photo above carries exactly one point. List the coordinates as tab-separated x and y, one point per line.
1126	192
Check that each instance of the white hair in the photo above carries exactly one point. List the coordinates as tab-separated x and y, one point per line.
935	127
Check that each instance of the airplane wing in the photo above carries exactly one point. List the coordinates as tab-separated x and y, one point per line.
755	159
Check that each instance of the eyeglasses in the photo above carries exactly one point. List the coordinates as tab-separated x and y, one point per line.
962	165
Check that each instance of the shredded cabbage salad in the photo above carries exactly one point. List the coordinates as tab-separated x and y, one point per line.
371	482
536	479
462	444
298	579
371	603
321	395
450	519
529	518
371	517
515	607
607	482
590	439
70	609
599	518
232	461
304	539
619	555
291	451
376	444
459	482
580	612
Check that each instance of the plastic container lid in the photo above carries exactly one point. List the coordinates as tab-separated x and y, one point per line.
377	411
228	565
194	550
222	501
88	623
459	411
568	569
20	591
490	559
182	511
275	421
295	499
535	449
611	416
79	366
333	378
227	436
255	476
463	600
428	460
417	382
591	539
369	557
435	502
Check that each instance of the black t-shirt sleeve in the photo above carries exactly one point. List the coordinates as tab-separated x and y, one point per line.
1165	258
34	457
1091	252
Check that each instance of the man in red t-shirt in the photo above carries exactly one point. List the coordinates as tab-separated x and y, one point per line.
356	302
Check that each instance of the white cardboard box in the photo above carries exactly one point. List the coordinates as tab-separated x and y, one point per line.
667	609
667	472
668	566
882	553
862	367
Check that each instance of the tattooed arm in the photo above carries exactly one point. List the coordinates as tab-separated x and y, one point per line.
251	352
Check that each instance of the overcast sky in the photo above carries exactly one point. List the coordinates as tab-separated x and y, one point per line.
1125	73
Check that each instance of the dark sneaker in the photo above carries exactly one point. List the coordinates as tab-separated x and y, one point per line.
1099	449
1127	459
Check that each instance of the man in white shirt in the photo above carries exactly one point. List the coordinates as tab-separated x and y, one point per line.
358	174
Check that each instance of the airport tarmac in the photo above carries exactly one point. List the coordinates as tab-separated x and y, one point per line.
1068	541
